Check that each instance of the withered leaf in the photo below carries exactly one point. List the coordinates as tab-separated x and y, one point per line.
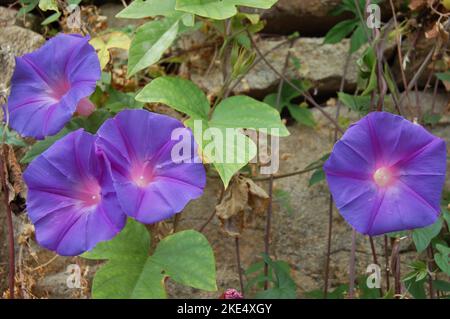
242	200
14	181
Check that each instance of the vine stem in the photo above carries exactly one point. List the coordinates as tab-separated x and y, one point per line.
430	278
202	228
375	259
238	261
12	266
269	206
267	233
330	201
386	258
328	258
351	290
395	266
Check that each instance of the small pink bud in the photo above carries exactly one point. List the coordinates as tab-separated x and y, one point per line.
231	294
85	107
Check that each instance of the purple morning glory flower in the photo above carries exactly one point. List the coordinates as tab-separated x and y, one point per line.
71	198
152	177
50	83
386	174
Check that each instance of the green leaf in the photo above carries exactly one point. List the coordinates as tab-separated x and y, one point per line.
142	9
422	236
180	94
46	5
358	38
227	155
186	257
117	101
219	9
283	198
246	112
302	115
365	291
54	17
12	138
27	7
340	31
90	124
431	118
416	288
442	258
316	177
284	287
441	285
359	104
150	42
444	76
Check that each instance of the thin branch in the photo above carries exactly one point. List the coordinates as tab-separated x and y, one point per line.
269	206
294	173
306	94
238	261
430	278
202	228
386	258
330	200
375	259
267	233
259	59
351	289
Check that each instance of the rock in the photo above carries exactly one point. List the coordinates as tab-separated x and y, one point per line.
15	41
321	64
8	17
110	10
309	17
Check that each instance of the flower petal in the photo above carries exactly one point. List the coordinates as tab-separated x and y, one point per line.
48	84
69	196
150	184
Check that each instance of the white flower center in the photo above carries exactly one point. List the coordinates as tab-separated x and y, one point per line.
382	176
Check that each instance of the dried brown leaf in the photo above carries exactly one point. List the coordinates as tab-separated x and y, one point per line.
242	200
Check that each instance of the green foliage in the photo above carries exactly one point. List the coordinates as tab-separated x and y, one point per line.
355	26
338	293
219	9
300	113
444	76
316	177
442	258
282	286
180	94
283	198
117	101
150	42
319	174
359	104
90	124
422	236
419	271
210	129
186	257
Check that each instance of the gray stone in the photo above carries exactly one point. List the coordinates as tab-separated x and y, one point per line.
15	41
308	17
110	10
321	64
8	17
